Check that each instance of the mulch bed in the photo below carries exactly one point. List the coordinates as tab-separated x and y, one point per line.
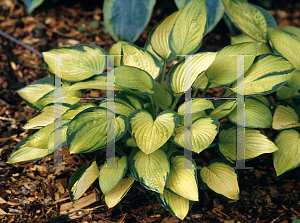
35	192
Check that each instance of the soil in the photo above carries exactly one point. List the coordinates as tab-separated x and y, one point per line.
35	192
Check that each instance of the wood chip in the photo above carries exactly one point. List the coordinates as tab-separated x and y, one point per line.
171	220
30	186
2	212
122	220
79	204
60	188
2	201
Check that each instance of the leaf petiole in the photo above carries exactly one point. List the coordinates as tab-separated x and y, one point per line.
163	73
195	93
205	90
153	106
175	102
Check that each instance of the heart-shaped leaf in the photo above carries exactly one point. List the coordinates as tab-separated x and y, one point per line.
198	105
257	114
130	142
33	147
141	58
221	178
248	18
82	179
44	117
121	107
177	205
135	79
24	153
256	143
96	82
159	37
180	79
77	62
243	38
126	19
58	138
223	109
72	112
224	68
286	44
294	82
286	92
36	90
182	180
287	156
214	11
68	97
292	30
202	81
116	50
270	20
285	117
203	132
109	178
115	195
89	129
267	74
194	116
150	49
264	100
134	101
150	170
188	30
151	134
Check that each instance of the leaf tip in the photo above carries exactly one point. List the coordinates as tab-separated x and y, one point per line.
72	151
9	162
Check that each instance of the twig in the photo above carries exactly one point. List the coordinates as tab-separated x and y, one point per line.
7	119
205	90
20	43
195	93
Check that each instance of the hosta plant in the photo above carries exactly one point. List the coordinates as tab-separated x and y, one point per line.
148	126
